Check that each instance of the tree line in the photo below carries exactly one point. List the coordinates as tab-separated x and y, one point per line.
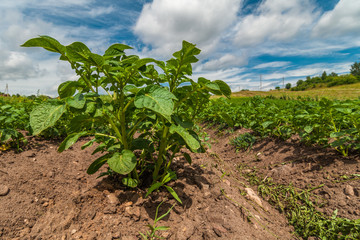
328	80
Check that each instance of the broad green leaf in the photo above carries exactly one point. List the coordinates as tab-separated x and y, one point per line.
96	59
141	62
157	99
77	102
123	162
212	86
78	52
70	140
131	89
67	89
266	124
173	193
116	49
224	88
226	117
337	134
191	142
153	187
46	42
45	116
130	182
308	129
94	167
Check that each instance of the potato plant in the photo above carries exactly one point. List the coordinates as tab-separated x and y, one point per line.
147	117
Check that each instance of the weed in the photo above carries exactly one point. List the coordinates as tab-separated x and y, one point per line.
243	141
151	235
300	208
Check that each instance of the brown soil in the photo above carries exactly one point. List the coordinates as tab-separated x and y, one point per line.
51	196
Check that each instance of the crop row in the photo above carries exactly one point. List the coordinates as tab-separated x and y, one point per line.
325	122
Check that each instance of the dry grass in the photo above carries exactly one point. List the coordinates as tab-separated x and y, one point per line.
351	91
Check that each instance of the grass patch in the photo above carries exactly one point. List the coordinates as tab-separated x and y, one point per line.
300	207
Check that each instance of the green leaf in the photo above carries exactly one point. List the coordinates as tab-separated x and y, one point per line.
308	129
116	49
78	52
173	193
130	182
45	116
46	42
141	62
170	175
226	117
77	102
70	140
162	228
97	164
266	124
187	157
224	88
212	86
191	142
96	59
123	162
153	187
337	134
157	99
67	89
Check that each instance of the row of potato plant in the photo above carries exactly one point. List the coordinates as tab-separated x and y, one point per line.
324	122
146	119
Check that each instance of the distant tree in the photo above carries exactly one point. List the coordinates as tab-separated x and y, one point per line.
355	69
299	83
332	74
277	88
324	75
288	86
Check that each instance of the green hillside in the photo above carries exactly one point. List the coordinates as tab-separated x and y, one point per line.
349	91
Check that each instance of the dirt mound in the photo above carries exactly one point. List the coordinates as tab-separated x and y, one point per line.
50	195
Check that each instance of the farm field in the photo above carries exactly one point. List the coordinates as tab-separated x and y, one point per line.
343	92
55	198
51	196
158	158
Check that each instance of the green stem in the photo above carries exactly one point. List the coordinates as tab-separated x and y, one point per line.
160	159
117	132
105	135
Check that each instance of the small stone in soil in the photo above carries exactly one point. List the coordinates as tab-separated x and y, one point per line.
113	199
134	212
219	230
349	190
252	195
110	210
4	190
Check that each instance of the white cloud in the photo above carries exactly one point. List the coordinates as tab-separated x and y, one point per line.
164	24
342	20
226	61
27	69
274	20
272	65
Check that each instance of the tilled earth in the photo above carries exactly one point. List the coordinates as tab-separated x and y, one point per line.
48	195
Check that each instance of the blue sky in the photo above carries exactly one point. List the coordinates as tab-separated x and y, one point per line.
240	39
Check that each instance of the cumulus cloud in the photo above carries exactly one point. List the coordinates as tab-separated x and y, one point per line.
343	19
26	69
226	61
274	20
272	65
164	24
